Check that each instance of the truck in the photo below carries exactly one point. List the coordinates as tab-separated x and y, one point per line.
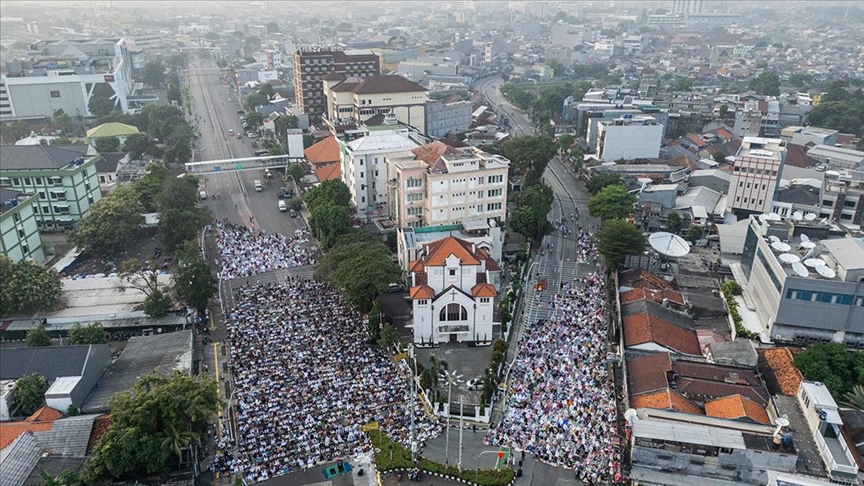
258	186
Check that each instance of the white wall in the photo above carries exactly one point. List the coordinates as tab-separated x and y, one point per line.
630	142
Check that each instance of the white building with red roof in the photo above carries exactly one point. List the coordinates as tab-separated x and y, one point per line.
453	291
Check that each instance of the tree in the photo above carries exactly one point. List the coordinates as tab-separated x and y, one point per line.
180	218
107	144
388	337
283	123
272	27
516	95
724	110
157	407
530	156
429	377
27	288
138	144
63	122
112	224
295	171
157	304
267	90
767	83
136	275
599	180
92	333
693	232
153	74
683	84
30	393
359	267
558	69
149	186
174	94
37	337
334	191
14	131
530	216
254	100
254	119
855	398
673	221
617	239
612	202
66	477
719	157
193	280
327	222
102	102
840	370
565	141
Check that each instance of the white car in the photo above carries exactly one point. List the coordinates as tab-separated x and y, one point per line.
202	195
475	384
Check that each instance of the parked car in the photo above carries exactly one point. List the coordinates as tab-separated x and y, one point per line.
241	112
231	132
293	213
475	384
395	287
283	207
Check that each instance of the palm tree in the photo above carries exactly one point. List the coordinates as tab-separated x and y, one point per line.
430	374
176	440
855	398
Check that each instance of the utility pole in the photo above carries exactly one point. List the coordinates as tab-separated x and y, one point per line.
461	402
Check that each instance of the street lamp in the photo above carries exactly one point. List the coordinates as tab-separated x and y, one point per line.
450	378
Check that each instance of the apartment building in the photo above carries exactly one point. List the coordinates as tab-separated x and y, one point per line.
438	184
837	158
803	282
443	118
353	100
629	137
310	67
758	167
59	79
843	197
64	178
451	298
826	426
795	135
19	233
364	166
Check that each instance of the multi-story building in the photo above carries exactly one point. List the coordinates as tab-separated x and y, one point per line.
629	137
310	67
37	90
826	426
19	234
803	282
353	100
64	178
438	184
843	197
837	158
443	118
484	234
451	296
364	166
758	167
795	135
687	6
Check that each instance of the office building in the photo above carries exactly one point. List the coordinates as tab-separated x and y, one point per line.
687	6
803	281
629	137
38	89
843	197
19	233
451	297
758	168
438	184
64	177
354	100
310	67
443	118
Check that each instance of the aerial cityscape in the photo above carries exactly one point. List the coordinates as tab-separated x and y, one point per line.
485	242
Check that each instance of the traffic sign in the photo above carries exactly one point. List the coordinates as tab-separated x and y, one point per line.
238	166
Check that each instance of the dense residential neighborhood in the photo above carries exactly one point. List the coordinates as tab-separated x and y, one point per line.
462	242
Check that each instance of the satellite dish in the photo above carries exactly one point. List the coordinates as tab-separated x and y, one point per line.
800	270
783	422
814	262
773	239
781	247
832	173
789	258
629	414
774	217
798	215
825	271
808	245
810	217
669	245
763	218
804	237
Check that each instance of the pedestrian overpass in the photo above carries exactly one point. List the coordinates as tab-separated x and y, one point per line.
236	165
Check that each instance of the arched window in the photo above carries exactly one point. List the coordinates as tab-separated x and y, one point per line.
453	312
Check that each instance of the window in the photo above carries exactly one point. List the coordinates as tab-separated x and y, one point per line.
363	199
849	203
102	179
362	175
496	179
484	300
21	233
90	199
55	94
493	207
37	181
61	209
414	197
412	182
423	302
494	192
26	181
16	217
42	195
415	211
46	209
452	272
5	182
36	208
25	248
453	312
15	181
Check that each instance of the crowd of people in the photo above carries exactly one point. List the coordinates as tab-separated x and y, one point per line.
248	251
561	404
586	251
307	381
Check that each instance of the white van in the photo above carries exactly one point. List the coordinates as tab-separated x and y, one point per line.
258	186
283	207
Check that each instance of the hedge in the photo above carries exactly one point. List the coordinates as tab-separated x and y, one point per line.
730	289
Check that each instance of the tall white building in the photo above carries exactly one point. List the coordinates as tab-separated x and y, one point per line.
687	6
451	298
758	167
629	137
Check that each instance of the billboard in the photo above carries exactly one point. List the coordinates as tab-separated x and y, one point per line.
295	143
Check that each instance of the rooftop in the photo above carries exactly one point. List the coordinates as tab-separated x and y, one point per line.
326	151
383	141
112	129
377	85
25	157
50	361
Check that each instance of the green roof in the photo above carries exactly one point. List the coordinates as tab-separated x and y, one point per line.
111	130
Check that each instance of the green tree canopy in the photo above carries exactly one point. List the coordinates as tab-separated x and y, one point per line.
529	155
517	95
92	333
683	84
14	131
62	121
27	288
767	83
840	370
673	221
180	218
599	180
30	393
327	222
102	102
272	146
157	304
156	408
254	119
112	224
530	216
839	110
254	100
149	186
193	280
612	202
334	191
37	337
558	69
283	123
138	144
145	279
153	74
296	171
174	94
359	267
617	239
107	144
565	141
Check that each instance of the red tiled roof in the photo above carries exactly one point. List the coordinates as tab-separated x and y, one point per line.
324	152
100	426
483	290
647	374
422	292
644	328
431	153
695	139
666	400
736	407
440	250
713	372
706	389
650	294
328	172
45	414
416	266
796	156
778	365
724	134
40	421
378	85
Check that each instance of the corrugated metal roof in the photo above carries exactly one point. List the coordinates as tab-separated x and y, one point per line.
688	433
